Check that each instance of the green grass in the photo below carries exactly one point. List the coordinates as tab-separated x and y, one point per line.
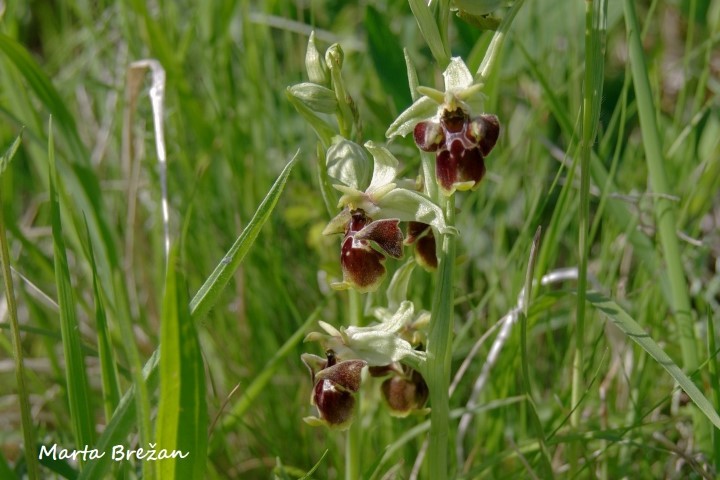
630	166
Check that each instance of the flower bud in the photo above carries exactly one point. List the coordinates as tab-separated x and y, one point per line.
315	64
334	56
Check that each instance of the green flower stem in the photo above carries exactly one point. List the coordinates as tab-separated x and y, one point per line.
439	350
353	441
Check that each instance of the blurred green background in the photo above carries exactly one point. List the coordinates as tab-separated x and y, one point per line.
230	130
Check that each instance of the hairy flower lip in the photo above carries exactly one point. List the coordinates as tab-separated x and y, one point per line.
334	387
405	393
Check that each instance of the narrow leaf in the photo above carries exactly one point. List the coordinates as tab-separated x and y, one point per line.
28	426
182	414
430	32
636	333
108	366
7	156
78	390
214	285
124	418
262	379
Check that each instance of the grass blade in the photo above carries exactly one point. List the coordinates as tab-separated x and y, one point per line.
78	390
108	367
430	32
262	379
664	207
122	422
214	285
28	427
123	419
635	332
182	414
595	14
679	299
7	156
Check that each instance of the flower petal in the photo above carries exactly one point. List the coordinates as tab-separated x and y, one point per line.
386	234
415	230
336	406
426	252
488	127
313	363
339	223
346	375
428	136
403	395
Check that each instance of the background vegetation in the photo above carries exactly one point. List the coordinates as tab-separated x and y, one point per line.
230	131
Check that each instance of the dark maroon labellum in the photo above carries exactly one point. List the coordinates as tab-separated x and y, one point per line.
460	145
405	393
335	387
362	265
421	234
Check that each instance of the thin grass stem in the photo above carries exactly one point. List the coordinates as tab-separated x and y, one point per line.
28	428
679	301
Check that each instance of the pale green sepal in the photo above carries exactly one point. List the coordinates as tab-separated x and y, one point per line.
338	223
408	205
457	76
378	345
385	166
348	163
420	110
